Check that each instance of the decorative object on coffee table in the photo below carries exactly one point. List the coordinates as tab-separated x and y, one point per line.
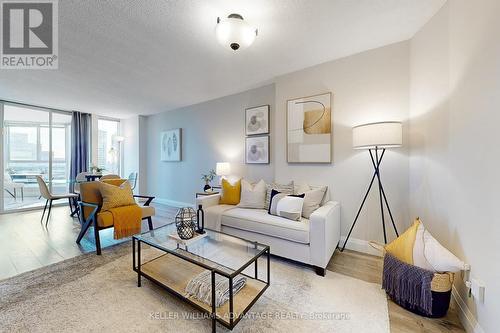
186	242
185	222
208	178
200	216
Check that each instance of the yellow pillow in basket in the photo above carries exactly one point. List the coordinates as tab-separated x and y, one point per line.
116	196
402	247
230	193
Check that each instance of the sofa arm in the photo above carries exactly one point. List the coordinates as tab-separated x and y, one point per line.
324	233
208	200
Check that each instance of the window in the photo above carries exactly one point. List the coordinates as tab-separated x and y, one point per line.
28	150
108	145
23	143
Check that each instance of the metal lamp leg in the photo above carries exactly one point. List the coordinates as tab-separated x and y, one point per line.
377	171
383	198
382	192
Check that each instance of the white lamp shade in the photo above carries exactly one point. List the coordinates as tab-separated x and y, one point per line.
235	30
222	169
387	134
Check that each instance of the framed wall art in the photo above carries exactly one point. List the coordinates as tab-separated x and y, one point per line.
309	129
257	120
171	145
257	149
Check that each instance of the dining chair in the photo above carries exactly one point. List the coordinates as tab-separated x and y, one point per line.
110	176
11	187
132	179
49	197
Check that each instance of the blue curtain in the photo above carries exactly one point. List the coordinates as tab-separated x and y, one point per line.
80	145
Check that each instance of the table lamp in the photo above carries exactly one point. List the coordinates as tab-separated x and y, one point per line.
222	169
376	138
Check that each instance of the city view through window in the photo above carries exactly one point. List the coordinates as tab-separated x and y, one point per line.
27	152
37	142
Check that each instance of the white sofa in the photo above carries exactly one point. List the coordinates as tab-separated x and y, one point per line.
310	241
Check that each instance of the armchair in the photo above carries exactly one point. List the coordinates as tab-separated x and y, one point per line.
91	214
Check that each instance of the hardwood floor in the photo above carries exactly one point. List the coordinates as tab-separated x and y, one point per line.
369	268
26	245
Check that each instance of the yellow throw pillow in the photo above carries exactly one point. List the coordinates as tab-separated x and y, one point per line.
402	247
116	196
230	193
114	181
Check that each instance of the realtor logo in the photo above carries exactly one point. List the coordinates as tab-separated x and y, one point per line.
29	36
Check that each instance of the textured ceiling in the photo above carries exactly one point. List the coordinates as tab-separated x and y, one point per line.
125	57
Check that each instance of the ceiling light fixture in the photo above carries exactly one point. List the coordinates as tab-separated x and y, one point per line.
235	32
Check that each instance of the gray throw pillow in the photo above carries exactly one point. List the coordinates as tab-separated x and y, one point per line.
313	200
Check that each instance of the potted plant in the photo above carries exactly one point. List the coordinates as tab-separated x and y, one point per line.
96	170
208	178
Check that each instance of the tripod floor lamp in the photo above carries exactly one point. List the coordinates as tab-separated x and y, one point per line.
376	138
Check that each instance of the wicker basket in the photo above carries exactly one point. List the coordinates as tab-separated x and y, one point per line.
441	286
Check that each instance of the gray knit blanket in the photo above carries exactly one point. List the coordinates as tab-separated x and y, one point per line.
200	287
408	285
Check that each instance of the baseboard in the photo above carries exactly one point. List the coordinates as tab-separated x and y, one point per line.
466	317
173	203
359	245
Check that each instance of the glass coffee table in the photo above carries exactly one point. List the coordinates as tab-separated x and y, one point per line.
172	265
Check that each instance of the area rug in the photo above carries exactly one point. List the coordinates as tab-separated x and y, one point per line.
93	293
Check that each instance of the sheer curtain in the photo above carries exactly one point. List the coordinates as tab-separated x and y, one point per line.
80	145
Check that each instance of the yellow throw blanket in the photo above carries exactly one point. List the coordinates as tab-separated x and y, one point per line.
126	220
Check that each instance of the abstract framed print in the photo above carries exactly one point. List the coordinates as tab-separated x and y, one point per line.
309	129
257	150
171	145
257	120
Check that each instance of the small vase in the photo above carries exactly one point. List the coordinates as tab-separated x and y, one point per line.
207	186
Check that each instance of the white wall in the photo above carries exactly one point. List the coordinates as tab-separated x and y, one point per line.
371	86
455	102
212	132
367	87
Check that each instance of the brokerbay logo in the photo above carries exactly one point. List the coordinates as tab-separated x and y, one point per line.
29	36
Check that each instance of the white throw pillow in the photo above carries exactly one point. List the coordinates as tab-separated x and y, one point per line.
418	250
312	200
287	206
252	196
429	254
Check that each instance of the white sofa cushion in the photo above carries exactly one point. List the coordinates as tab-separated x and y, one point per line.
252	196
258	220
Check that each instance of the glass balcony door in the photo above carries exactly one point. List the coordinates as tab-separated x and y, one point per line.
36	142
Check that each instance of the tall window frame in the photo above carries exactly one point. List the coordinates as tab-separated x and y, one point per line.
5	137
104	152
